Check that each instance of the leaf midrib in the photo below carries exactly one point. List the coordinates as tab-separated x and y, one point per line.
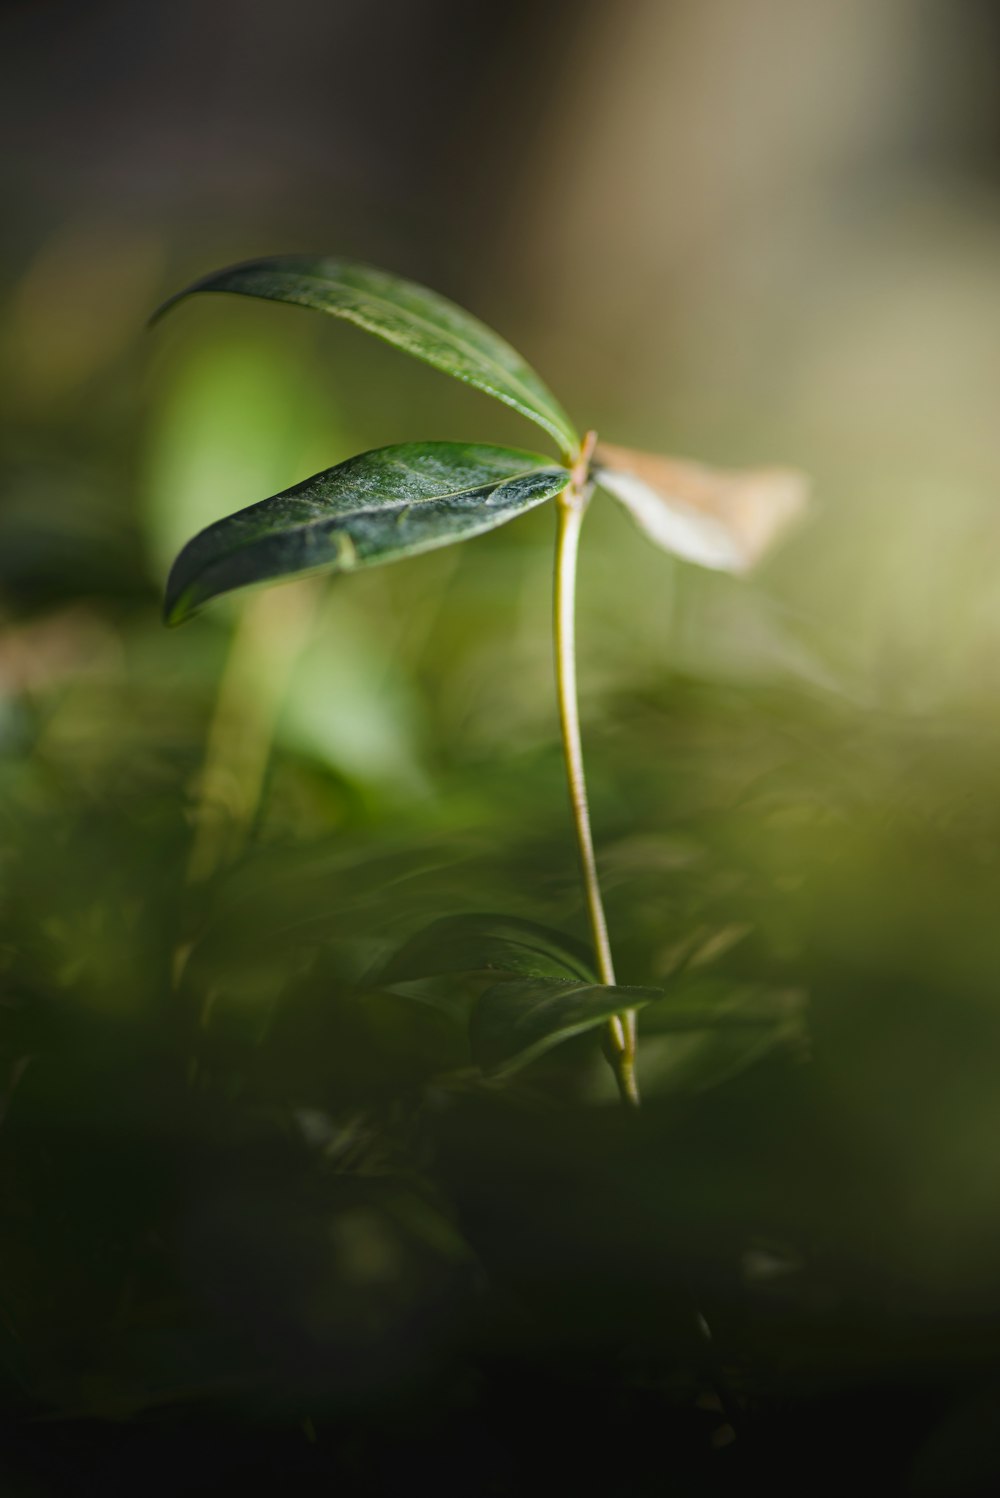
400	504
454	338
577	977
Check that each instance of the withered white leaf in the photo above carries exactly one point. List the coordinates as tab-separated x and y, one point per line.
720	518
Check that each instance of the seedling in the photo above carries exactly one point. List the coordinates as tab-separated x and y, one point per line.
397	501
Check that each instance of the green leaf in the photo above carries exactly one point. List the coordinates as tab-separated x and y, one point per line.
695	1002
411	317
516	1021
374	508
487	944
705	1031
701	1059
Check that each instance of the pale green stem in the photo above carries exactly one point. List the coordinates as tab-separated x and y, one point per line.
267	641
621	1038
570	506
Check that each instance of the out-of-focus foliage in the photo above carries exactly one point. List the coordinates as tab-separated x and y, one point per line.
256	1190
242	1179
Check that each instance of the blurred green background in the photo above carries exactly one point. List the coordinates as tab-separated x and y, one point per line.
248	1199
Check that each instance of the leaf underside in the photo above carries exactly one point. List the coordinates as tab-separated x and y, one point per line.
407	315
494	944
707	1030
519	1019
514	1022
695	1001
377	507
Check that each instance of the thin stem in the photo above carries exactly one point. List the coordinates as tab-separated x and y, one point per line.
266	643
620	1046
571	506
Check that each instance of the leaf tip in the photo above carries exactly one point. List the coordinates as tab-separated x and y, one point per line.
157	315
215	281
175	612
160	312
179	601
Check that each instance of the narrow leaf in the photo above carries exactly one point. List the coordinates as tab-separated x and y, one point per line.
408	315
516	1021
695	1002
721	519
704	1031
487	944
374	508
700	1059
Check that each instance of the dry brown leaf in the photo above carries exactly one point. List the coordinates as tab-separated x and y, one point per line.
720	518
